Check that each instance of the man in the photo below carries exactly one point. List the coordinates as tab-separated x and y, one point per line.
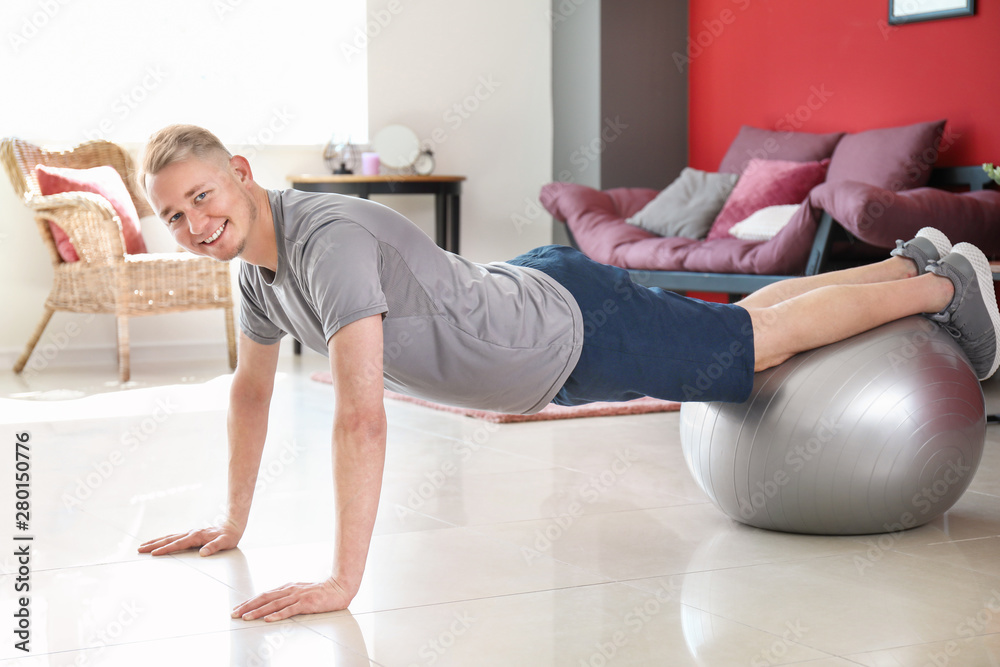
356	281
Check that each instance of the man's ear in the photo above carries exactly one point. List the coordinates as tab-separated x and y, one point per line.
241	169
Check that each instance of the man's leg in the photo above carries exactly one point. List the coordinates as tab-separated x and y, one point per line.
830	313
910	259
894	268
957	290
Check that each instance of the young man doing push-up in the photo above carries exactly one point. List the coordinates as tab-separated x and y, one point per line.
356	281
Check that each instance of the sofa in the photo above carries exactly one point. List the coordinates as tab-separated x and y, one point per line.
846	199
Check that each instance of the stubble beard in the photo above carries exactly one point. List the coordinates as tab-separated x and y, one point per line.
253	210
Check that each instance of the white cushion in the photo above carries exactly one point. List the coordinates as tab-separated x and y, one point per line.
763	225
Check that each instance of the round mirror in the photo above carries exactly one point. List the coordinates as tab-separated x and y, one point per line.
397	146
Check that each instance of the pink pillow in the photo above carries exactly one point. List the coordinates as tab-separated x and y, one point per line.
104	181
767	183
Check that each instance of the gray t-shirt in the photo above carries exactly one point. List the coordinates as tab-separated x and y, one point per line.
487	336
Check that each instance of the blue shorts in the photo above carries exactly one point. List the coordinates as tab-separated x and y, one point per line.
645	341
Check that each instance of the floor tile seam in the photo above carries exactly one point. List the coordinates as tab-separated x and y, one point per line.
546	464
690	503
938	562
101	564
519	547
994	496
449	524
961	541
498	450
481	598
920	645
739	567
826	654
287	622
203	573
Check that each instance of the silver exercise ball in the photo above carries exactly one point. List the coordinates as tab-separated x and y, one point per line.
878	433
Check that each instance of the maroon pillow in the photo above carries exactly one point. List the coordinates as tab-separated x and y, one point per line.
104	181
753	142
879	216
894	158
767	183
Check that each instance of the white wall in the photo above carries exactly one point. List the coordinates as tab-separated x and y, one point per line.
475	80
493	60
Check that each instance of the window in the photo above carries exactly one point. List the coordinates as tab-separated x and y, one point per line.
252	71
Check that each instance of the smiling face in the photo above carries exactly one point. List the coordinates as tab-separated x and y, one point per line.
207	204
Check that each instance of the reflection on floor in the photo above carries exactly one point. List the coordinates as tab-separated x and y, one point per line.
578	543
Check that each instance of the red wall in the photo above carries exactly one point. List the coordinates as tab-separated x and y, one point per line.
764	62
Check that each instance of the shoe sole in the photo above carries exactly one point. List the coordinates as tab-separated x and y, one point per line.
984	280
937	239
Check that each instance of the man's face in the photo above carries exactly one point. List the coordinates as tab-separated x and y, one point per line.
206	205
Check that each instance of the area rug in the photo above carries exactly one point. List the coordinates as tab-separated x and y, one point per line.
637	407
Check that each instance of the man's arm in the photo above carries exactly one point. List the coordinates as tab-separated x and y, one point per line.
359	431
249	400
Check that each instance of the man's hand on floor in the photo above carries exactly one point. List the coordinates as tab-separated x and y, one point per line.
292	599
216	538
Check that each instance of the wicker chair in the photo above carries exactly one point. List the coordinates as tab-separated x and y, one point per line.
106	279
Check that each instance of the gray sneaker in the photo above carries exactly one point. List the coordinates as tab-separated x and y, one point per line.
929	245
972	316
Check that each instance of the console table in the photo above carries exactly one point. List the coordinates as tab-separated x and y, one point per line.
447	191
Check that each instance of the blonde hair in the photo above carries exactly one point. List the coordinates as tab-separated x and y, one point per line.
179	142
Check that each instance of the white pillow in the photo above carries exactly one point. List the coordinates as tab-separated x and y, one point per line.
764	224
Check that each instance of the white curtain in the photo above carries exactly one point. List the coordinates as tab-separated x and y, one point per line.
255	72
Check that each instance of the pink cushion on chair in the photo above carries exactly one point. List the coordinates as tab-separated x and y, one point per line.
104	181
767	183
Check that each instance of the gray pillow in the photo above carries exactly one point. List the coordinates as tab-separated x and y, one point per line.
688	206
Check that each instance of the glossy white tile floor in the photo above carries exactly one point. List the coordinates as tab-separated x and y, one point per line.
474	562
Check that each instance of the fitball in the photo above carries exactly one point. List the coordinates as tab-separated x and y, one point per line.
878	433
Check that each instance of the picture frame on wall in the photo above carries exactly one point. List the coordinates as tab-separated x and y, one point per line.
911	11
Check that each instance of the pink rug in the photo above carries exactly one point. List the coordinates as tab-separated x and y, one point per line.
637	407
